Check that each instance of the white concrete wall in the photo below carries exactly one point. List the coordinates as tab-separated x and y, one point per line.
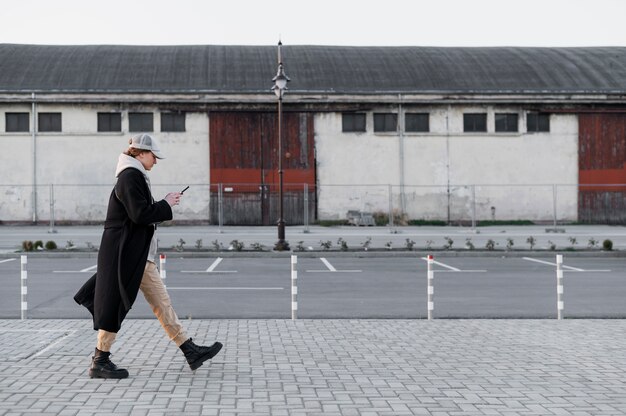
506	167
81	162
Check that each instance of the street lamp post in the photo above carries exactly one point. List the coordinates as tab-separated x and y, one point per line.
280	85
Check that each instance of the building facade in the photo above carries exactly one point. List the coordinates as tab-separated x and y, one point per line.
452	134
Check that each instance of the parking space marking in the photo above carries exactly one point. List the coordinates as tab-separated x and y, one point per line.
570	268
225	288
7	260
453	269
332	269
211	268
90	269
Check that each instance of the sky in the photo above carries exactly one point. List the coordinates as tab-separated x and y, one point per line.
316	22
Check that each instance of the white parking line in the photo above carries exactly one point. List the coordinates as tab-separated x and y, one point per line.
7	260
570	268
225	288
453	269
89	269
332	269
211	268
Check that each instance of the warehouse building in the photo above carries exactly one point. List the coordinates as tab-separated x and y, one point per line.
424	133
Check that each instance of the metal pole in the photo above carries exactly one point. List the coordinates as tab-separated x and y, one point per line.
51	230
281	244
554	204
431	287
23	285
473	207
162	271
306	208
34	193
294	288
390	191
559	285
220	207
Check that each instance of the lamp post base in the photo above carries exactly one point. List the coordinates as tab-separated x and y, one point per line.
281	244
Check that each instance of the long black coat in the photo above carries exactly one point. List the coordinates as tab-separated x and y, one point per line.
110	293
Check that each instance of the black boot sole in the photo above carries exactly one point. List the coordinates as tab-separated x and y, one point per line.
215	348
107	375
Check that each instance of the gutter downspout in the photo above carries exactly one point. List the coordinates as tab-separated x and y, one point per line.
448	159
400	129
34	147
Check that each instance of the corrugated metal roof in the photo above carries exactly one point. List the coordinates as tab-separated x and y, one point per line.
330	69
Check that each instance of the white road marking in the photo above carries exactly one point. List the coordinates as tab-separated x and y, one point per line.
453	269
327	263
225	288
7	260
57	342
214	265
331	268
89	269
570	268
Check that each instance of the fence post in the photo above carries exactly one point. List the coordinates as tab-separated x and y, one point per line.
52	230
473	207
431	287
162	271
23	286
554	204
306	208
559	286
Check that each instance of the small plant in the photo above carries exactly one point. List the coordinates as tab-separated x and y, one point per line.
343	244
389	245
448	244
469	244
607	245
509	243
70	245
490	245
326	244
257	246
181	245
593	243
573	241
90	246
551	246
409	244
367	243
51	245
300	246
199	244
531	241
27	245
429	244
38	245
236	245
217	246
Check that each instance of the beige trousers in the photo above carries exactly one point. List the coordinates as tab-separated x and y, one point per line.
157	297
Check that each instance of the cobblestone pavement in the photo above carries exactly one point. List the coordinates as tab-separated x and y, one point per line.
329	367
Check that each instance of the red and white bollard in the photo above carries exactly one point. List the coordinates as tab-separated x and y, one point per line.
431	288
162	271
24	288
559	286
294	288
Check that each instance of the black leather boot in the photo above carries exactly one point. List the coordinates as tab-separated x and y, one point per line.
102	367
197	354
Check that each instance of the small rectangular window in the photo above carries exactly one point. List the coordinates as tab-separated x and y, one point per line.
416	122
17	122
474	122
109	122
49	121
506	122
172	121
140	122
385	122
353	122
537	122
